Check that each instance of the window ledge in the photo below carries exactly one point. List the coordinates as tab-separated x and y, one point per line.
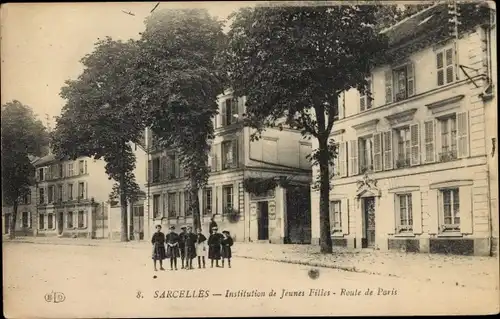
403	235
451	234
337	235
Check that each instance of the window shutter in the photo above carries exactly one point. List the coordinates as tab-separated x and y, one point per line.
29	219
66	219
387	147
86	190
429	138
150	171
169	165
162	168
234	110
85	167
75	219
462	134
353	157
449	65
214	159
377	152
410	76
388	86
63	195
416	206
415	144
343	159
234	146
465	208
344	216
440	68
85	218
341	105
433	211
165	205
362	102
223	114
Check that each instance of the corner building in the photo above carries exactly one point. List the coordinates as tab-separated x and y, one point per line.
417	154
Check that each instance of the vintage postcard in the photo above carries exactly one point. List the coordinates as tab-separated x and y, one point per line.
215	159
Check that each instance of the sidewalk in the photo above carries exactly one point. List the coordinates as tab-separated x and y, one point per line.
466	271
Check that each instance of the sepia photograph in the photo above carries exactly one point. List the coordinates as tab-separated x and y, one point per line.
249	159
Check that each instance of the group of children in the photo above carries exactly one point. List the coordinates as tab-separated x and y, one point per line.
188	245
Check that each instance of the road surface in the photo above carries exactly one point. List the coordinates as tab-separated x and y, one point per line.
118	282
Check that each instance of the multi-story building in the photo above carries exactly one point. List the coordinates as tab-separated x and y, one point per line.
415	169
277	212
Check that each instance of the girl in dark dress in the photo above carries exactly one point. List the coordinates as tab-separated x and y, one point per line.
226	244
201	242
158	242
214	247
172	240
190	244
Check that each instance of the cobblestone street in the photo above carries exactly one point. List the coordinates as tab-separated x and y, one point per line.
104	280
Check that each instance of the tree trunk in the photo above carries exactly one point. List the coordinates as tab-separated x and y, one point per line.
195	204
325	240
123	207
12	226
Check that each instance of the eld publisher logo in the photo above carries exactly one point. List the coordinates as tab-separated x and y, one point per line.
55	297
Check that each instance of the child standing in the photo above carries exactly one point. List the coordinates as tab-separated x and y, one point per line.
182	245
190	244
201	248
214	247
158	242
226	244
172	240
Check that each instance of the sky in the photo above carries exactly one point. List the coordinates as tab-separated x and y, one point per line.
42	43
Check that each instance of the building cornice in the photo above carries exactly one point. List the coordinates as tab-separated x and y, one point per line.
445	104
400	117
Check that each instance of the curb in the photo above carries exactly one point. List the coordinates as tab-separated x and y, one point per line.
100	244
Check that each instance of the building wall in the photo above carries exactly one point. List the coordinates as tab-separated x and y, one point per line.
468	172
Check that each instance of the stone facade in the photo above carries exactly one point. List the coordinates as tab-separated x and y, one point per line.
415	170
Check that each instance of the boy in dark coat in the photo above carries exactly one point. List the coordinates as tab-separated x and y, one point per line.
214	247
182	245
212	224
190	241
158	242
226	244
172	240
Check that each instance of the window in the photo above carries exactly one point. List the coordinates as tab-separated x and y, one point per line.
404	202
41	192
399	83
335	217
81	167
61	170
365	100
451	209
365	154
207	201
156	170
50	221
69	220
138	211
40	174
172	205
227	193
53	171
81	219
187	204
51	194
403	82
156	205
230	110
70	170
26	199
445	67
70	192
404	147
81	190
229	154
60	193
448	129
172	169
41	221
25	220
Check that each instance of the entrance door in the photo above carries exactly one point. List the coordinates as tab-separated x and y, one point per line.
263	221
60	223
369	213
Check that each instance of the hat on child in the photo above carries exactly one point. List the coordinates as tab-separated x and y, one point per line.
215	228
225	232
172	227
183	227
